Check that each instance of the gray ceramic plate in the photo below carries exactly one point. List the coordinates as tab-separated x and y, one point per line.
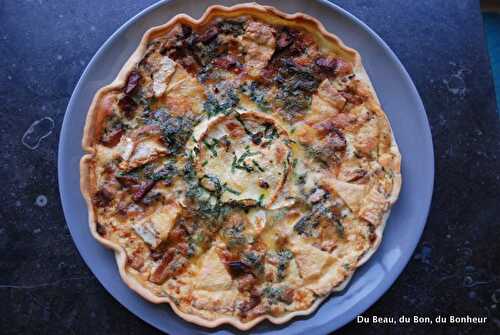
400	101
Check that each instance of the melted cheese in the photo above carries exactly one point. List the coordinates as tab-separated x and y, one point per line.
184	95
367	137
310	260
352	194
326	103
212	275
162	76
374	206
329	279
155	228
136	153
105	155
215	301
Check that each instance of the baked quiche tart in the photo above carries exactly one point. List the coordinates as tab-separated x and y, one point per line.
240	166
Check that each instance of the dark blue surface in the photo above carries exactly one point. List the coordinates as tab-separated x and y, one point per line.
45	288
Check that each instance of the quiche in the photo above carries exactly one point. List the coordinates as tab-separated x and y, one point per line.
240	166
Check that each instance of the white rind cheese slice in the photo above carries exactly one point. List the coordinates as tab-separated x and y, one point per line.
311	261
245	170
213	275
155	229
145	152
327	102
163	75
352	194
374	206
366	139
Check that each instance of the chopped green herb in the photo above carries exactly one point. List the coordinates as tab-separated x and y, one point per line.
239	162
273	294
308	224
204	74
240	120
235	236
176	130
233	164
212	146
284	257
213	107
198	238
296	85
259	201
244	167
211	183
257	95
166	173
270	132
254	260
316	153
196	150
234	28
225	142
230	190
205	194
286	162
207	52
257	165
300	179
189	171
340	227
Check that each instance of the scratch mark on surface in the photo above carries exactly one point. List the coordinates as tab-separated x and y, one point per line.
38	130
456	83
48	284
469	282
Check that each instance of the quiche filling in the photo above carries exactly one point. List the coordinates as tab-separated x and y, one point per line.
244	168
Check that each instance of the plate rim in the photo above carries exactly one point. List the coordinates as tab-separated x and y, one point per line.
374	295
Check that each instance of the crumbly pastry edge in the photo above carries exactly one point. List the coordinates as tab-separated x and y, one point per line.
96	113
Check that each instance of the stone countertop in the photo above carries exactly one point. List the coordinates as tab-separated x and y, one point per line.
45	288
